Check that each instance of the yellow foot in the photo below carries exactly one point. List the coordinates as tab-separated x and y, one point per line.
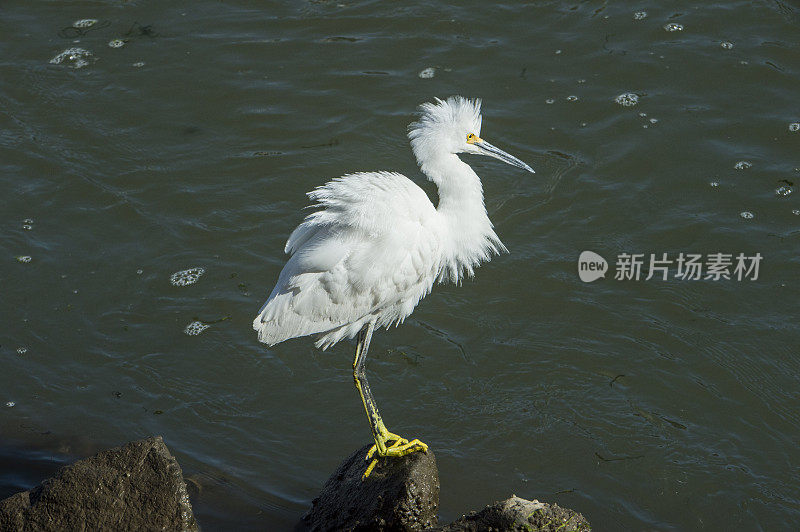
400	447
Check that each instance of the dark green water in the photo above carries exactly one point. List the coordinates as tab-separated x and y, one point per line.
644	404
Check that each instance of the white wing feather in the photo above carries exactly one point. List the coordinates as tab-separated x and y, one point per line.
370	253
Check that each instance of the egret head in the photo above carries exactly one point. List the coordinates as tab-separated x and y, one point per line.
453	126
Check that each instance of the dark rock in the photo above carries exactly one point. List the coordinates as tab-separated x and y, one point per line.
519	515
400	494
138	486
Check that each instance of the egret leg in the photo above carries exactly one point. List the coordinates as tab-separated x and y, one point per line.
386	443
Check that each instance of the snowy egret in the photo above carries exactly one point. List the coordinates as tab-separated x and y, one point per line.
377	244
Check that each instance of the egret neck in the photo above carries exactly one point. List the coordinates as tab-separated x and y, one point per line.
469	232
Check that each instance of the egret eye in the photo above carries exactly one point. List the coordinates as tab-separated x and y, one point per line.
471	138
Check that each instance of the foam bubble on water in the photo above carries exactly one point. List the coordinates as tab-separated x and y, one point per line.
138	64
640	15
27	224
427	73
186	277
139	271
550	101
627	99
794	126
84	23
195	328
673	26
796	212
783	190
10	404
743	165
726	45
24	258
714	184
747	215
116	43
76	57
654	120
21	350
572	98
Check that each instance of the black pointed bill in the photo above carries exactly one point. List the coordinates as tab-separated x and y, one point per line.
497	153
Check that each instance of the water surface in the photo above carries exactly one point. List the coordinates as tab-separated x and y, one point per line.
186	135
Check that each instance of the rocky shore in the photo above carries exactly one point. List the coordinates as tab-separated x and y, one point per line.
140	486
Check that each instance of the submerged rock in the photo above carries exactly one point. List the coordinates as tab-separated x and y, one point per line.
399	494
519	514
138	486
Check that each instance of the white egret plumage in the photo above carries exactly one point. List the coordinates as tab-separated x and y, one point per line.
377	245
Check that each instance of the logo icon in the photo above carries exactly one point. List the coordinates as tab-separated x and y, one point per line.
591	266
